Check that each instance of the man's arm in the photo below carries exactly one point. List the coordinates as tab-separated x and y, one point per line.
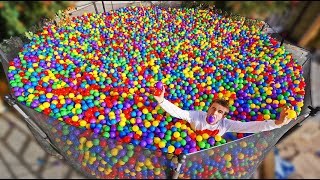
175	111
257	126
250	127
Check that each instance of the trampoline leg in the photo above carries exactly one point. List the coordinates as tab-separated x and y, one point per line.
95	7
176	171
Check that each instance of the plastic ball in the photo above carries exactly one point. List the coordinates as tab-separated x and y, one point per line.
291	114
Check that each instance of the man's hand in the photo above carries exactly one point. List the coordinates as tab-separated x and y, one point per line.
282	119
161	97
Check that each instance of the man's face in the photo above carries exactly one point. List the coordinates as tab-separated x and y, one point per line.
217	111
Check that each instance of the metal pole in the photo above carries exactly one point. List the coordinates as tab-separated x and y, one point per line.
181	160
95	6
111	5
104	9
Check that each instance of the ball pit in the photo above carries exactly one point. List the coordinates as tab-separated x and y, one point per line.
101	92
99	75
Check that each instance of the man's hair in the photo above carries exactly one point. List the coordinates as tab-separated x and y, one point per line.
222	102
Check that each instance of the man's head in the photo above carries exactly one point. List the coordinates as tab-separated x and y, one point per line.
219	108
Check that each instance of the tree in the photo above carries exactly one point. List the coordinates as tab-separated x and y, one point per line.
16	17
249	9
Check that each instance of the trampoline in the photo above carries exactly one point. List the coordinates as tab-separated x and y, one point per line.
98	156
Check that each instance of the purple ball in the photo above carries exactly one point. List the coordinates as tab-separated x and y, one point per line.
138	120
96	130
211	119
149	141
211	141
143	143
159	85
112	134
192	150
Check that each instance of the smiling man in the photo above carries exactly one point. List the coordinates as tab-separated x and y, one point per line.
215	119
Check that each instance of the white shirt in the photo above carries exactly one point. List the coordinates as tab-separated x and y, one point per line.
197	120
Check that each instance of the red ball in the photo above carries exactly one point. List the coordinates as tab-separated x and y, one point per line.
178	151
126	139
157	92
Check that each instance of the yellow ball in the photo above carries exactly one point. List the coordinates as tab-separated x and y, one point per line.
147	124
114	152
135	128
243	144
266	116
124	95
156	140
46	105
291	114
178	124
122	123
171	149
79	96
75	118
199	138
240	156
300	104
227	157
217	138
176	134
202	104
269	92
157	172
83	123
101	117
89	144
31	96
162	144
205	136
145	111
269	100
155	123
49	95
71	95
183	126
282	101
228	164
78	106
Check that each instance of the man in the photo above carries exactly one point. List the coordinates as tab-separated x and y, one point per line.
215	119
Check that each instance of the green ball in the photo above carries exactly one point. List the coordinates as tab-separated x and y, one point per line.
125	159
167	137
65	132
130	153
201	144
183	142
106	128
130	146
20	98
96	142
106	134
183	134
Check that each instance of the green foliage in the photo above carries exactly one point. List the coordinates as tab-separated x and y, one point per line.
250	9
16	17
257	9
